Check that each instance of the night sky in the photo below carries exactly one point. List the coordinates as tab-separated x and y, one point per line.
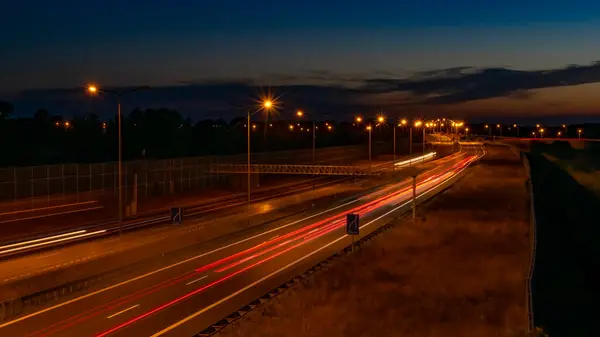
473	59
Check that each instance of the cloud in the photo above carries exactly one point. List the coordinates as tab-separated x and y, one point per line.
332	94
456	85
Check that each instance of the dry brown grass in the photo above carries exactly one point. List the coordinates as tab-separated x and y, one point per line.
589	179
458	271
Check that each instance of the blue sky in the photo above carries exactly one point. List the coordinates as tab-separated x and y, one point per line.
63	44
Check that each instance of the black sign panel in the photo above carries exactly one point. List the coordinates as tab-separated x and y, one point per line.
352	224
177	215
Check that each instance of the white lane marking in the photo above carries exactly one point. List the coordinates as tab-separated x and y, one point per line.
232	295
53	214
196	280
42	239
171	266
122	311
47	255
51	242
33	210
37	313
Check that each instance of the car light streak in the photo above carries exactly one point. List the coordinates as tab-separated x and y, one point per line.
305	235
49	242
73	320
190	294
416	159
229	276
41	239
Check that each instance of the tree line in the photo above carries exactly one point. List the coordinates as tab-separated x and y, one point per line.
47	138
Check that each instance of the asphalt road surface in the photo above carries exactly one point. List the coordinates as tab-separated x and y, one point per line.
185	296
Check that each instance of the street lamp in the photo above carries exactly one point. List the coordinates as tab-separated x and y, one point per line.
420	124
516	127
267	105
300	113
93	90
358	119
466	133
579	131
370	129
541	133
558	134
566	130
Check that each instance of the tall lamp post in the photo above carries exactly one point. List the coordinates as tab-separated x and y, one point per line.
370	129
420	124
94	90
579	131
300	113
266	105
402	124
566	130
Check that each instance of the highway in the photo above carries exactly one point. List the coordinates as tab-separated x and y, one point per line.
74	224
35	232
182	295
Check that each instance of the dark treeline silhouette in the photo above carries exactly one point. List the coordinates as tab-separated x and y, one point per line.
152	134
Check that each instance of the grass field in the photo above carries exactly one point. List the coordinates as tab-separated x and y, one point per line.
459	270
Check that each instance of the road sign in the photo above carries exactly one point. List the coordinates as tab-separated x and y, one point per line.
352	224
177	215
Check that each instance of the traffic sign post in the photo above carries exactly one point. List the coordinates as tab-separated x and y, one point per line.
177	215
414	199
352	226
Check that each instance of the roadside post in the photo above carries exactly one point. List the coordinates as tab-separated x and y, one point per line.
352	226
414	198
414	173
177	215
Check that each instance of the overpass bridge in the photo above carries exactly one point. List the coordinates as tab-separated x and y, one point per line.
335	170
296	169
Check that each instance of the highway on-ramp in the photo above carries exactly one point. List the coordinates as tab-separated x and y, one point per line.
187	295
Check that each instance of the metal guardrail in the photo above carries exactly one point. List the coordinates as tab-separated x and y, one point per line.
292	169
533	243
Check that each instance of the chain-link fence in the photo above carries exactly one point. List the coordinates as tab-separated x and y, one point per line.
46	186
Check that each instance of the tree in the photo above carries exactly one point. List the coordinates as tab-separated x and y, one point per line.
6	109
41	115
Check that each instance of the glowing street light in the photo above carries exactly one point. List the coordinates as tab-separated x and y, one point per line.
579	131
300	113
93	89
358	119
266	104
370	129
541	133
